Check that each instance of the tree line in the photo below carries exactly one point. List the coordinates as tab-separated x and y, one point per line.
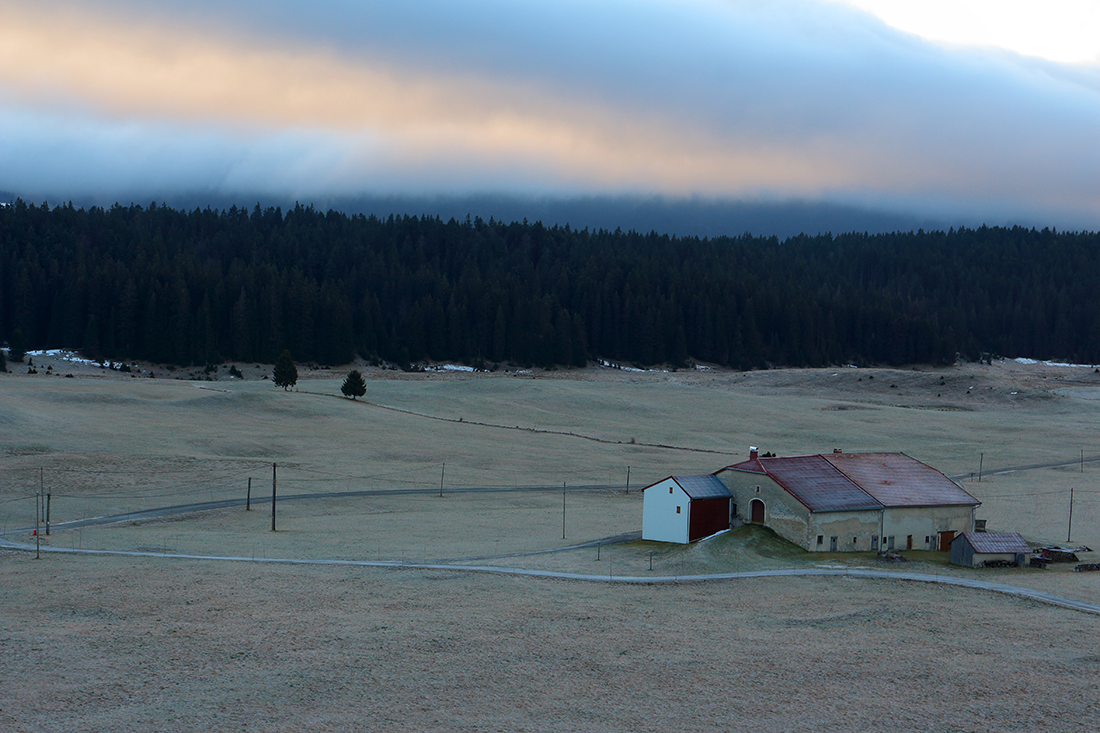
205	286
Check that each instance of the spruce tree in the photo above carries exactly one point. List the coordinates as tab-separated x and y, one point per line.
285	374
353	385
16	347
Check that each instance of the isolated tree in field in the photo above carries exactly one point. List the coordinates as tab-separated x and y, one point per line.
16	348
353	385
285	374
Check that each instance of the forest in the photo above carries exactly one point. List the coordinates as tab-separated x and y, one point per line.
209	286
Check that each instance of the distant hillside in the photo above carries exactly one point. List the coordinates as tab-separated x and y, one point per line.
692	217
202	286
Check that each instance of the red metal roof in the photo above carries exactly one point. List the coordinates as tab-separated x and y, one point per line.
997	542
839	482
897	480
817	484
752	466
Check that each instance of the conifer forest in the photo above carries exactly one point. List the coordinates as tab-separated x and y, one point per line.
205	286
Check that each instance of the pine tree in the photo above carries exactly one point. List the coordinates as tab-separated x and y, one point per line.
16	347
285	374
353	385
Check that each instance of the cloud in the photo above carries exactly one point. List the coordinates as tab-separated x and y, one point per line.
792	98
1066	31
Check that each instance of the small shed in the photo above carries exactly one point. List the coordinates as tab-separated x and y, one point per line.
684	509
975	549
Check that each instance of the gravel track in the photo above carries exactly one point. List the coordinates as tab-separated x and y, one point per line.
1011	590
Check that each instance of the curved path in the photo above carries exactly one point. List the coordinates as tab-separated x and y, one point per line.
497	426
202	506
1029	467
1011	590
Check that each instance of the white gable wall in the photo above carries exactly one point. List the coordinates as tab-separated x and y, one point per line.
660	522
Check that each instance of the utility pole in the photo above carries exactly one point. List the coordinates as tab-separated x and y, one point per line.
41	491
628	479
981	460
272	497
1069	531
563	510
248	496
441	472
37	537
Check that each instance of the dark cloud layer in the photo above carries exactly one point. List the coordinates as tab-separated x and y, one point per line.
577	101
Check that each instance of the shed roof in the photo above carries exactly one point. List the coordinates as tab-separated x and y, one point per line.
703	487
859	481
997	542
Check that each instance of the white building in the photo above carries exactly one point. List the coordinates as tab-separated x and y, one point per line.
685	509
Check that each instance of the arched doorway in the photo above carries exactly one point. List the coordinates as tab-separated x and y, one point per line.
756	511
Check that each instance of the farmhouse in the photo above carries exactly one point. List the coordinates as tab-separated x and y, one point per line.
685	509
850	501
975	549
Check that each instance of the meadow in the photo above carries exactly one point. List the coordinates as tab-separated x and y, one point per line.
123	643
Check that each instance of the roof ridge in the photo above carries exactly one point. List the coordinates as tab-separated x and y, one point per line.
828	464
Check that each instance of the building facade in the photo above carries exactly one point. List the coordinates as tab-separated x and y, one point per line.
850	502
684	509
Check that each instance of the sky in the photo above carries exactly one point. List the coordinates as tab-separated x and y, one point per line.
960	110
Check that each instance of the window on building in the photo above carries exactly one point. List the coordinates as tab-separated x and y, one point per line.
670	489
855	540
821	539
677	510
890	542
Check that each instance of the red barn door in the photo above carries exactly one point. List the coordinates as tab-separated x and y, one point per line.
707	517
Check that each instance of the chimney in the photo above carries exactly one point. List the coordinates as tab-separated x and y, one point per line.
753	453
837	450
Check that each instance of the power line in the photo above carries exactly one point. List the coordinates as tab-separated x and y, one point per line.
18	498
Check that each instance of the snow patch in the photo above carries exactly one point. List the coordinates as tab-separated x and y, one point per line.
74	358
620	367
1024	360
69	356
612	365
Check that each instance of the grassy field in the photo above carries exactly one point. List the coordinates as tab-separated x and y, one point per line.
129	643
103	445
